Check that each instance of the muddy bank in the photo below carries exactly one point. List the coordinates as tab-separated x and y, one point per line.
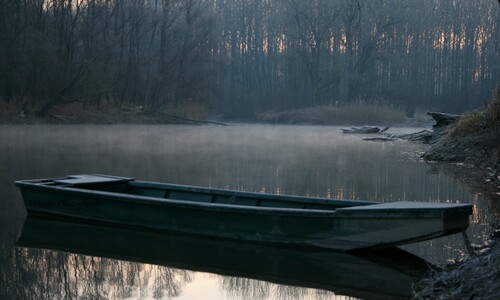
479	149
476	278
469	146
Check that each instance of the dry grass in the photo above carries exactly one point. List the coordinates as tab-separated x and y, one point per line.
373	114
475	121
189	110
10	108
422	116
492	110
468	123
356	114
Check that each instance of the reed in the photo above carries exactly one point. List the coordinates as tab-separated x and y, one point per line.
356	114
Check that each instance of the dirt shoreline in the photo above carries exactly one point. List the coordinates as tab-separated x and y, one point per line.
478	277
474	157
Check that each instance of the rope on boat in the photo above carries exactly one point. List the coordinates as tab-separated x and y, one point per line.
467	243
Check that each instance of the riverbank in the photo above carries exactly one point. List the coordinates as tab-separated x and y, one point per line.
476	278
77	113
471	141
192	113
471	144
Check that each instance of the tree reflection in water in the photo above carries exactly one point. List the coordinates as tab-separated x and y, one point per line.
245	288
47	274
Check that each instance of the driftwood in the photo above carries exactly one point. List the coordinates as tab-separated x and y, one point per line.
193	121
423	136
63	118
364	130
380	139
443	119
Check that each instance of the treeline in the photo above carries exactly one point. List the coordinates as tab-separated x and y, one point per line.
246	56
138	52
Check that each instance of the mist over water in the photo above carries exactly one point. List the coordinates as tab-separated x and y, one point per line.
296	160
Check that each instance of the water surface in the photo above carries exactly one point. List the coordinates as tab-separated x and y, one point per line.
297	160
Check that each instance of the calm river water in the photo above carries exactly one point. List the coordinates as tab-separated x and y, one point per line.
54	260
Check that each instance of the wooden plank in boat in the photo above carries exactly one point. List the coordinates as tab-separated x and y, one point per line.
407	205
88	179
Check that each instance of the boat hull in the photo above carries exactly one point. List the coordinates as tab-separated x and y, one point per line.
340	229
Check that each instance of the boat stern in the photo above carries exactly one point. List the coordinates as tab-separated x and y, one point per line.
399	223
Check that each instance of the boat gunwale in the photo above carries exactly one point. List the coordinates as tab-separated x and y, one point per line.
231	208
351	208
338	203
340	212
265	196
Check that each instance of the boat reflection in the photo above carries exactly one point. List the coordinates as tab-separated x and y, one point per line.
385	275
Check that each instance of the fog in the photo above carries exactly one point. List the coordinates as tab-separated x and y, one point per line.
297	160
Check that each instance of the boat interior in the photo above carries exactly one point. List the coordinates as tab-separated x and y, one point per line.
198	194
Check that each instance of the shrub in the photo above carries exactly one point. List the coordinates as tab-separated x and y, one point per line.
189	110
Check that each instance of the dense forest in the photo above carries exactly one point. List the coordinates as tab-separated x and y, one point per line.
247	56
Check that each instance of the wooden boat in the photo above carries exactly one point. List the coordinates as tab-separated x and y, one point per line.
382	274
263	218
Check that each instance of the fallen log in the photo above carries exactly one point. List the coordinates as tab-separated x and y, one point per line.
443	119
384	130
194	121
423	136
362	130
380	139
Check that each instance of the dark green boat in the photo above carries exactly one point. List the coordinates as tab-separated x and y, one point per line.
263	218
